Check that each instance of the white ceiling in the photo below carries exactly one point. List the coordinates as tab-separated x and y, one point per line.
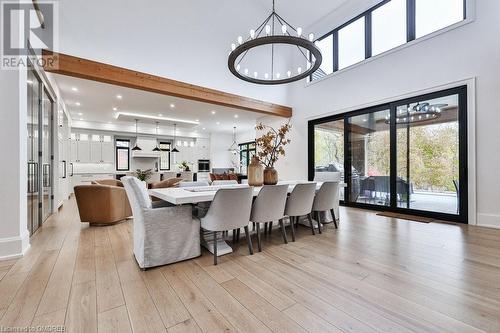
187	41
97	101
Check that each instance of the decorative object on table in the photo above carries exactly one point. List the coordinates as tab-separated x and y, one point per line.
136	147
270	146
175	150
255	172
143	175
184	166
278	33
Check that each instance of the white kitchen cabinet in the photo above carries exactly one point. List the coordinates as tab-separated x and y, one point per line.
108	152
73	147
83	150
95	152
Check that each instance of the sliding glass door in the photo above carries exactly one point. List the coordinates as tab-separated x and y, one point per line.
409	156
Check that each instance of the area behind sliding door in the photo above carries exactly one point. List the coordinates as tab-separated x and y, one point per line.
408	156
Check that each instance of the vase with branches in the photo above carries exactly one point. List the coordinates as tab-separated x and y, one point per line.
270	146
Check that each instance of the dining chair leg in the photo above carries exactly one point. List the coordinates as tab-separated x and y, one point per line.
334	219
238	235
259	246
253	226
270	227
311	223
265	228
293	220
215	247
249	240
319	224
234	236
283	231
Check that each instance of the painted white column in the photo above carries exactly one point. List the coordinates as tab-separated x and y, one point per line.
14	236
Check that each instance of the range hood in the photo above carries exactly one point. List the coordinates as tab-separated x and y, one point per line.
147	145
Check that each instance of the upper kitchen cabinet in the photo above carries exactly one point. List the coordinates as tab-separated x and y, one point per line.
203	149
101	149
91	148
80	147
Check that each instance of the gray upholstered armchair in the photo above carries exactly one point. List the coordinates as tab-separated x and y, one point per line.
161	235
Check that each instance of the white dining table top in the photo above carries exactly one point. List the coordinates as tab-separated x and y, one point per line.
193	195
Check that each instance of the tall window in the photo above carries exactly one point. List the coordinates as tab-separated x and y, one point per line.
352	43
164	155
408	156
432	15
122	155
385	26
388	26
247	151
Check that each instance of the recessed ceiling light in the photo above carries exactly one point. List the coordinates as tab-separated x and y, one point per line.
80	114
197	120
160	115
77	103
119	96
74	89
115	108
172	105
235	116
204	128
81	119
218	123
213	112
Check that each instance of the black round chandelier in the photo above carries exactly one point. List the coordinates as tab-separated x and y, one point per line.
419	113
266	35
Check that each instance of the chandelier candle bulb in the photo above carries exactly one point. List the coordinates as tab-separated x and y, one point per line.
246	71
266	76
240	40
289	73
311	37
278	75
268	29
299	70
233	46
255	74
299	32
238	67
252	33
283	29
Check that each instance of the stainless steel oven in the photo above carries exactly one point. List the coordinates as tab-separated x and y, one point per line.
203	165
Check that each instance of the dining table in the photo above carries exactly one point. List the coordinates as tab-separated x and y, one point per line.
198	194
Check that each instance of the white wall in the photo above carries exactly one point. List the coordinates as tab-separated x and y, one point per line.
469	51
14	237
220	157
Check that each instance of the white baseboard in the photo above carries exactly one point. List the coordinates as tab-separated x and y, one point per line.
488	220
14	247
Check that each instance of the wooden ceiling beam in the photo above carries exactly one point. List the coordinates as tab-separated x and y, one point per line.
64	64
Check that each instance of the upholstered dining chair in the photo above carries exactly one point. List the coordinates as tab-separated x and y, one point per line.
161	235
299	204
269	206
324	201
230	210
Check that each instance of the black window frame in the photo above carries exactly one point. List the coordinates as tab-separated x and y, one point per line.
462	93
122	148
159	158
245	148
410	31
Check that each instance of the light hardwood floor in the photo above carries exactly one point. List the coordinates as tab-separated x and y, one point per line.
373	274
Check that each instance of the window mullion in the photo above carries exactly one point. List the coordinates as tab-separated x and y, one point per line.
335	50
410	20
368	35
